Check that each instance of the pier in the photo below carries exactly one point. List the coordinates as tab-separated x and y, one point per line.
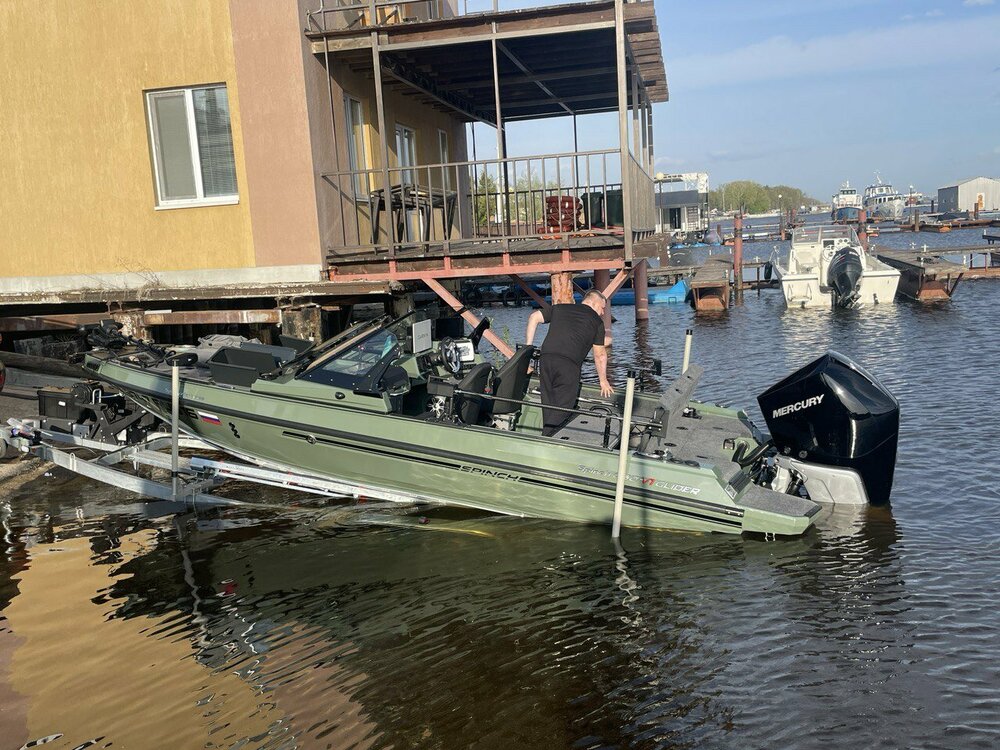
924	276
710	284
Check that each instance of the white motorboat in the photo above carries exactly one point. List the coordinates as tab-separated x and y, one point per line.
827	266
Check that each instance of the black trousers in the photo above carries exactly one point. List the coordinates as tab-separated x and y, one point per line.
560	381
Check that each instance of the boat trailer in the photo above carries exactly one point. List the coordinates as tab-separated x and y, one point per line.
198	477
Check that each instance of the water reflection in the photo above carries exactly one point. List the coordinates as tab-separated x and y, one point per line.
260	628
239	625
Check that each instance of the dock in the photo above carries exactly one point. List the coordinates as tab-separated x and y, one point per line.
991	237
710	283
925	276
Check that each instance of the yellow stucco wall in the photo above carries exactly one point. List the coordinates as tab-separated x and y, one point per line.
76	184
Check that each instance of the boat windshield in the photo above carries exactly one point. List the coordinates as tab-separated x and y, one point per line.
816	234
358	356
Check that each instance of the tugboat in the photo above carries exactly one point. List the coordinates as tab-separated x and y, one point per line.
392	403
827	266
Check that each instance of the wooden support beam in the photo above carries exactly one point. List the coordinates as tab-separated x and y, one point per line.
539	299
209	317
615	284
455	304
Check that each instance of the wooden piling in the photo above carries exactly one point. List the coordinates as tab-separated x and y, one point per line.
562	288
641	286
602	279
738	257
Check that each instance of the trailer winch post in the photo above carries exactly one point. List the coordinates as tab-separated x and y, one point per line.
688	335
616	524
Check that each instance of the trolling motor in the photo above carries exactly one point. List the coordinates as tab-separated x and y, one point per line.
835	427
108	335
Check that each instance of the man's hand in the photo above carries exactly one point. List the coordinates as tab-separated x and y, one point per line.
606	390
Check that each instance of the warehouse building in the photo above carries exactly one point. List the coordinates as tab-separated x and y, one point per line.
976	193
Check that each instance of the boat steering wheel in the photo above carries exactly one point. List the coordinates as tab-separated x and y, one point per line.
451	355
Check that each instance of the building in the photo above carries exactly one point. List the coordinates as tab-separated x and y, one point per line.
209	162
682	204
976	193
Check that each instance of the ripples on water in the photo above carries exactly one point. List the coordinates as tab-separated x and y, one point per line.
153	626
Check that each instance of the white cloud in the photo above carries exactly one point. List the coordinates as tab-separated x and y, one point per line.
943	43
975	3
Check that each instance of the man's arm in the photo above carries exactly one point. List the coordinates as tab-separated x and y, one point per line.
601	363
533	320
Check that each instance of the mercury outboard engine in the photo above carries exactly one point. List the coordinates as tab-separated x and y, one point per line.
835	428
843	275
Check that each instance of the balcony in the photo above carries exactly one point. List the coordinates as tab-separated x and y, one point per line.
406	218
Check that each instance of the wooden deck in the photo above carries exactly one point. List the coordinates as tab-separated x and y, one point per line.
486	257
710	283
925	276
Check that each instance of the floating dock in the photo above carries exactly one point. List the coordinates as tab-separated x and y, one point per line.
710	284
924	275
991	237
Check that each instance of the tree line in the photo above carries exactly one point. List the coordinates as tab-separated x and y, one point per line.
755	198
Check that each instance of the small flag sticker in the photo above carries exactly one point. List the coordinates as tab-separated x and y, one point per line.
210	418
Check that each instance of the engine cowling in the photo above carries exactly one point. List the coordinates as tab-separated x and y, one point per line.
833	413
844	275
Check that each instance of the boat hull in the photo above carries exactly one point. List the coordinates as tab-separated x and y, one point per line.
475	467
878	285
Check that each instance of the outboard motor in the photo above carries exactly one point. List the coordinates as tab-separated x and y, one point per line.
843	275
835	427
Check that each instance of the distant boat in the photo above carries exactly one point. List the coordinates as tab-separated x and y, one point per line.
674	295
883	202
713	238
845	204
846	215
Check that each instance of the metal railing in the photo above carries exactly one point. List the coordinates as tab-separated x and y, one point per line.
339	15
488	200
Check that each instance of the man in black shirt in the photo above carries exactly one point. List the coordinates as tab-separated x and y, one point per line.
573	331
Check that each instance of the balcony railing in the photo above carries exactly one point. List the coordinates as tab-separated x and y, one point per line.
339	15
382	211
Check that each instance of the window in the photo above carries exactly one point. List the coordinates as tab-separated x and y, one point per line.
356	145
445	154
406	152
192	146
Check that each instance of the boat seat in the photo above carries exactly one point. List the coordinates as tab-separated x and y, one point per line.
511	382
676	398
468	408
232	366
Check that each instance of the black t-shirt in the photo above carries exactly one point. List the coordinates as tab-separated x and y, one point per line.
573	330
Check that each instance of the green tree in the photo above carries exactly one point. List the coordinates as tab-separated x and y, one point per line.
755	198
486	190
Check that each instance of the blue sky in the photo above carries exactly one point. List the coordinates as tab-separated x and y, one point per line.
814	92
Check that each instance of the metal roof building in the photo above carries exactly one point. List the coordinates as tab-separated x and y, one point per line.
968	195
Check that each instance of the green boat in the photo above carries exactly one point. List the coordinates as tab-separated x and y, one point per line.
393	404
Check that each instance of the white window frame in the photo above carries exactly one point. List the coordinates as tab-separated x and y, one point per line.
362	158
444	155
408	172
162	203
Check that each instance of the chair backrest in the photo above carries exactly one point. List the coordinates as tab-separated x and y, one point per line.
511	381
467	408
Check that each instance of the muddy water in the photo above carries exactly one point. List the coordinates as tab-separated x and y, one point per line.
126	624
